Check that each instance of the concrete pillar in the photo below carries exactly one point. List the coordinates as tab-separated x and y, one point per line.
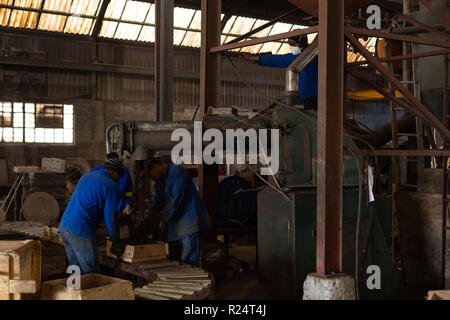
333	287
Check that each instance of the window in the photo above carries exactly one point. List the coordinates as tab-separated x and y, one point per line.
36	123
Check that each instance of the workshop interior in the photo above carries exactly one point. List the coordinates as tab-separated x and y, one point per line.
224	150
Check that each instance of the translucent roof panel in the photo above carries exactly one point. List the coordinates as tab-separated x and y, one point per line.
108	29
81	26
52	22
135	11
135	21
147	34
85	7
127	31
183	17
57	5
34	4
115	9
23	19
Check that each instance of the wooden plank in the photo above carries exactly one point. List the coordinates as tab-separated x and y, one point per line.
22	286
161	293
202	281
145	295
439	295
140	253
171	286
170	290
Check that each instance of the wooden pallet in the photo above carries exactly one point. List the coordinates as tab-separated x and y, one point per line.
20	269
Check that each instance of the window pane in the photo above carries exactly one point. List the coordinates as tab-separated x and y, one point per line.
18	120
40	135
68	135
18	135
29	135
29	120
49	135
18	107
59	135
68	121
7	134
29	107
68	108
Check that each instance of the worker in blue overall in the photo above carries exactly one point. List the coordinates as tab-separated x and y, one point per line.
308	78
95	197
181	209
125	186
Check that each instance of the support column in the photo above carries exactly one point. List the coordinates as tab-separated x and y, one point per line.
328	281
210	96
164	60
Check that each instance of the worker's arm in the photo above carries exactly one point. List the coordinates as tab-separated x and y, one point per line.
111	197
276	61
176	199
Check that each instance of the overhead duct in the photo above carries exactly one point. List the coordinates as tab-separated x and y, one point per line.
292	95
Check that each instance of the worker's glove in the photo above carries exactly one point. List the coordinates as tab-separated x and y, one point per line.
128	210
117	248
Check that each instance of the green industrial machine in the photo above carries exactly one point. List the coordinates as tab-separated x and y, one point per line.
287	228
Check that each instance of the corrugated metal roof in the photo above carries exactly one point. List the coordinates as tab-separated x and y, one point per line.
135	20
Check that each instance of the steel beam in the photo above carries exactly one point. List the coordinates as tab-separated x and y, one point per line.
330	135
164	59
275	37
410	19
389	95
210	96
399	37
264	26
100	18
429	117
407	152
407	56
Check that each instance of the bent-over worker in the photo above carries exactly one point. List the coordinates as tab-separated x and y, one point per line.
181	209
95	197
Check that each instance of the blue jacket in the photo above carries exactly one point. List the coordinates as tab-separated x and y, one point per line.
125	188
95	197
182	208
308	78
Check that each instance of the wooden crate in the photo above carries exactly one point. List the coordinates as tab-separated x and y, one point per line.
20	270
93	287
51	234
141	253
439	295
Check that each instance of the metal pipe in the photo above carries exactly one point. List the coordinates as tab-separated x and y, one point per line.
299	64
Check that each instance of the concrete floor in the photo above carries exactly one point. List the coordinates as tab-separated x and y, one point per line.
243	285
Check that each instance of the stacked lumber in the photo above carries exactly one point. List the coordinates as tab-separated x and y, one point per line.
32	229
182	282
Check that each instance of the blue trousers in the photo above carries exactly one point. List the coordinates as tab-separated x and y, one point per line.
81	252
186	250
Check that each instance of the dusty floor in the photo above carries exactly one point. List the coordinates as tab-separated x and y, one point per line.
243	285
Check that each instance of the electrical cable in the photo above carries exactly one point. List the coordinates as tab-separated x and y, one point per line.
358	222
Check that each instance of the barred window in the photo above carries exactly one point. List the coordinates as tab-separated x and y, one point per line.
36	123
